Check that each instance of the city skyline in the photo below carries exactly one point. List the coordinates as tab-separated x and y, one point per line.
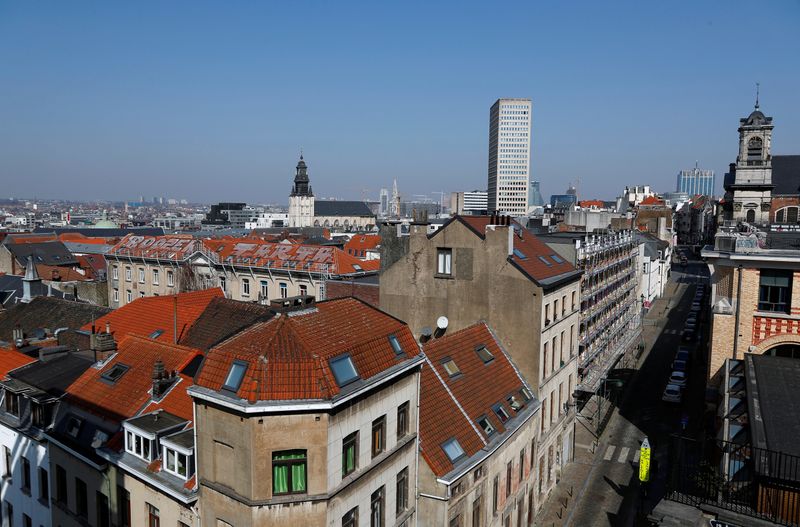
168	115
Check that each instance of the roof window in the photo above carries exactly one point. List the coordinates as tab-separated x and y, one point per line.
514	403
544	261
115	373
73	426
486	425
451	367
343	370
157	333
526	394
501	412
556	258
235	376
453	449
519	254
357	267
398	349
484	353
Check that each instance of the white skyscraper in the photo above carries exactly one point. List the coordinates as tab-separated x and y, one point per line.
509	156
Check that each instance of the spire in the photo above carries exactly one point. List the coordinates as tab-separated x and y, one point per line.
31	274
758	88
31	283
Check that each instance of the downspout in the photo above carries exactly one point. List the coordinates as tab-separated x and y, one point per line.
416	453
738	308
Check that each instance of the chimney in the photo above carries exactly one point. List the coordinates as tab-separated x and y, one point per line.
103	345
18	336
159	378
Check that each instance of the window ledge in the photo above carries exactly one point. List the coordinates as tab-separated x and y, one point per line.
775	314
444	276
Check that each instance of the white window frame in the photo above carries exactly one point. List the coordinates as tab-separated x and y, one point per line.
245	287
174	470
128	274
129	296
303	289
155	276
444	261
131	446
115	272
115	295
264	289
141	275
170	278
284	288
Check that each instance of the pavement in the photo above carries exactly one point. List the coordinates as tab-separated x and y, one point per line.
600	487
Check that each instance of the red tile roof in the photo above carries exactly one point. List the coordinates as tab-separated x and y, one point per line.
362	242
92	264
145	315
170	247
589	203
127	396
473	392
60	274
177	401
651	200
288	356
10	359
532	256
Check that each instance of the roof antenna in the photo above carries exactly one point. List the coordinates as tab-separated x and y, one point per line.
758	86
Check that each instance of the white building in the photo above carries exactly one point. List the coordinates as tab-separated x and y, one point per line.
266	220
509	156
474	202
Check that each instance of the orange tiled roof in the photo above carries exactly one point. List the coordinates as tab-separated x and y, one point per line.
651	200
474	391
362	242
11	359
81	238
127	396
589	203
170	247
288	356
145	315
532	256
176	401
60	274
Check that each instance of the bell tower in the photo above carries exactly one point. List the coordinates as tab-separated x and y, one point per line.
301	199
749	184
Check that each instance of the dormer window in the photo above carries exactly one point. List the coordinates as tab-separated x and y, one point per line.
41	414
73	427
501	412
178	453
486	426
515	403
12	403
138	445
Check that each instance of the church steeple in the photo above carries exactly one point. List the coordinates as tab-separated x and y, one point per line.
301	185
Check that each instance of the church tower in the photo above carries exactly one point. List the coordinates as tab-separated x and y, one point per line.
748	185
301	200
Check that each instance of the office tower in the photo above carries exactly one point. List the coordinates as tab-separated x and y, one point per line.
473	202
509	156
535	199
696	182
384	202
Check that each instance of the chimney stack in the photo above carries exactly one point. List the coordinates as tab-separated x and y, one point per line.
160	379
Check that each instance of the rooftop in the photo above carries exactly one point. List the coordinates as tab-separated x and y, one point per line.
47	312
221	319
777	396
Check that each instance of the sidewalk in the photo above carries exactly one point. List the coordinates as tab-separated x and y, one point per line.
559	505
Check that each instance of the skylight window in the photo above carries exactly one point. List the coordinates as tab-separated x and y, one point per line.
519	254
235	376
157	333
544	261
484	354
556	258
486	425
514	403
526	394
343	370
451	367
357	267
453	450
398	349
115	373
501	412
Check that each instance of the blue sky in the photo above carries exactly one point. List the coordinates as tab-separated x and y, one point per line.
213	100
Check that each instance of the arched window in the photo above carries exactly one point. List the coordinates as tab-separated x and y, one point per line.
791	215
751	215
787	215
754	148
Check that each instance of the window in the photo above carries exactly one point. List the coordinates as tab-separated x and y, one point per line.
176	462
264	290
751	216
774	291
519	254
476	513
573	301
26	475
378	435
450	367
321	289
128	296
343	370
284	287
501	412
453	449
123	507
245	287
350	454
402	492
398	349
81	499
444	261
101	504
563	305
289	472
303	289
545	362
26	521
555	309
402	419
521	464
486	425
12	403
115	295
509	472
114	374
495	494
545	261
546	314
141	275
137	445
153	517
9	514
155	276
141	294
171	278
754	149
455	521
61	485
73	426
514	403
44	489
350	519
484	354
376	508
115	272
127	274
235	376
222	283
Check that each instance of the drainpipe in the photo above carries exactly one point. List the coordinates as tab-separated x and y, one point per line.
738	308
416	453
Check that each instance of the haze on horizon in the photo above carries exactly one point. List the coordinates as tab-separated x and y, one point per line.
213	102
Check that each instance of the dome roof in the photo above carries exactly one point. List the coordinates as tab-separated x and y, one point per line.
301	163
756	118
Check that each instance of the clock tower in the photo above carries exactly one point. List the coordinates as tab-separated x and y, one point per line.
301	200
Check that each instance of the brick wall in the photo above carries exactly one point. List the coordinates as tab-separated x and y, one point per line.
369	293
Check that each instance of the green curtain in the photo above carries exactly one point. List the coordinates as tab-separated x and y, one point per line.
350	459
280	479
298	477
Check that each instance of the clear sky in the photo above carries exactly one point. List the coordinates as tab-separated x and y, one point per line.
213	100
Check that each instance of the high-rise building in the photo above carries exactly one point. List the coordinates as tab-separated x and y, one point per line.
384	202
696	182
535	199
509	156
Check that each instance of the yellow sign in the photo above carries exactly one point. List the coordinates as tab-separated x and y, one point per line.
644	461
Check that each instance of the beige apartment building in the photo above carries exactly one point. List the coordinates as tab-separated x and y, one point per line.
247	269
310	419
489	268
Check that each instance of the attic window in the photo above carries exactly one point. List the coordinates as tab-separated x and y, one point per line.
544	261
501	412
398	349
343	370
114	374
73	426
235	376
526	394
556	258
486	425
519	254
484	354
514	403
451	367
357	267
453	450
157	333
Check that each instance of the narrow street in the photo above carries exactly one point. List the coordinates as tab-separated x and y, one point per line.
601	487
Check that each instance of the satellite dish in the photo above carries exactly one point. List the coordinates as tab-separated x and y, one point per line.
442	322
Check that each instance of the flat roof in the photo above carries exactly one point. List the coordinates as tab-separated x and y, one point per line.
774	403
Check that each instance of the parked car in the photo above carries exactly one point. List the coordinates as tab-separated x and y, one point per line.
689	335
683	354
679	365
678	378
672	394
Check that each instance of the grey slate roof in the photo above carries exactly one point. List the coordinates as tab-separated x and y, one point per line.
48	253
11	292
46	312
55	375
222	319
87	248
103	233
341	208
786	174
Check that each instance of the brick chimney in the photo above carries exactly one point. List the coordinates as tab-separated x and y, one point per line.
162	379
102	344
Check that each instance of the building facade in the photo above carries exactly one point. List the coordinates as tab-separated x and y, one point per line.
509	156
470	202
696	182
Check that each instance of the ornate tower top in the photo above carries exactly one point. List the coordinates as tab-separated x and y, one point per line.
301	185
